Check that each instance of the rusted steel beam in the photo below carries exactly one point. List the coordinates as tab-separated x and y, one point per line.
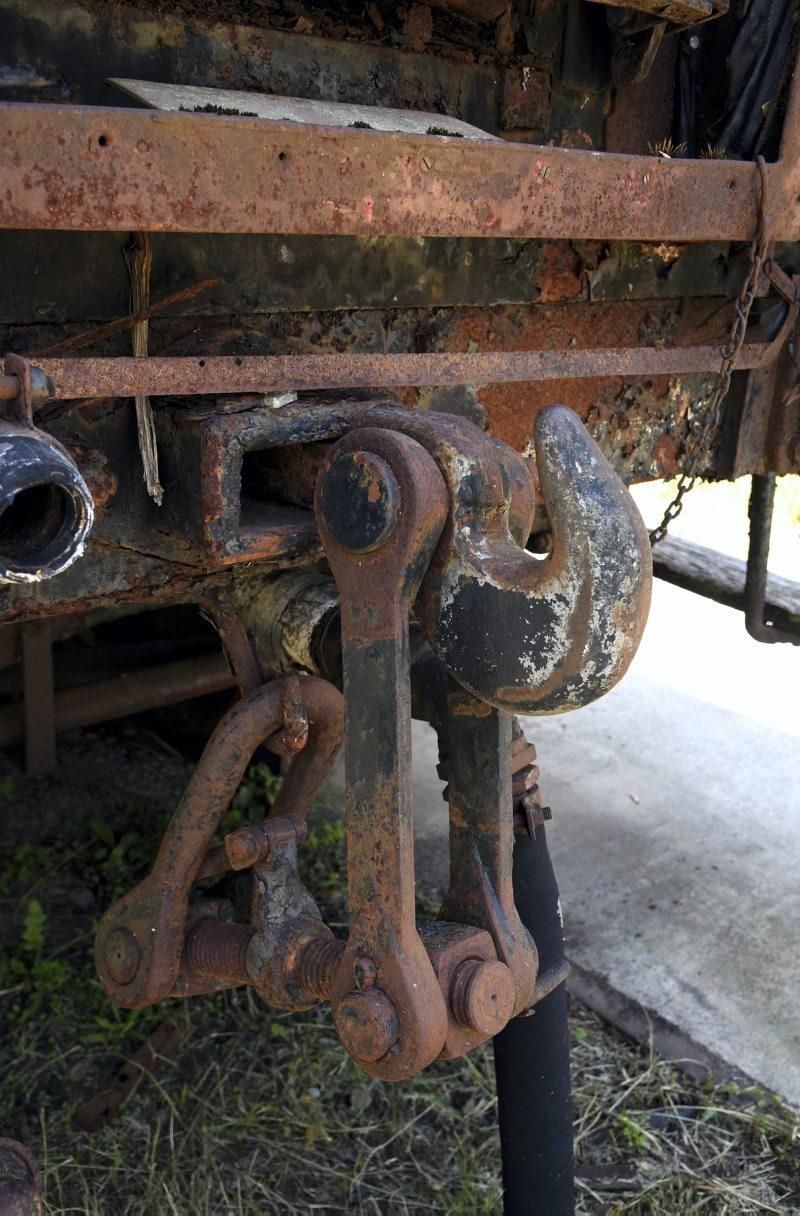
177	376
103	169
133	693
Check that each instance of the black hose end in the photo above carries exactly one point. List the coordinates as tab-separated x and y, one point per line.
46	510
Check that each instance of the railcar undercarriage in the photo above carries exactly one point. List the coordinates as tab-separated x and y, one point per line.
345	330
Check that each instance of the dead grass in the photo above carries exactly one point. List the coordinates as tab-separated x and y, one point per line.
262	1112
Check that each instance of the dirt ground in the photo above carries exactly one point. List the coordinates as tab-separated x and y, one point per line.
250	1111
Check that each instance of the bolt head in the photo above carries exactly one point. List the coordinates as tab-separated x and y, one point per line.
367	1024
482	995
242	849
360	501
121	955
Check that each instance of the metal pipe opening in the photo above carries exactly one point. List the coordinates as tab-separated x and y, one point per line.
46	510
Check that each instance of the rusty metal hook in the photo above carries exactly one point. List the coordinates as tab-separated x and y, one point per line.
525	634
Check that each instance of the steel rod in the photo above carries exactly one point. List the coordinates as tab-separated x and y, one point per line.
90	704
221	374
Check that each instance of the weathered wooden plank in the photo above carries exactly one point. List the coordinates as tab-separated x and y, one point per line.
720	577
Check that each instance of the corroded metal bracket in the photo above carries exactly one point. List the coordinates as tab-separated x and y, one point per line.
427	506
481	836
381	505
140	942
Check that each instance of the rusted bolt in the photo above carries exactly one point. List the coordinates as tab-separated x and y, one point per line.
367	1024
247	846
360	501
122	956
365	973
482	995
259	842
316	964
219	949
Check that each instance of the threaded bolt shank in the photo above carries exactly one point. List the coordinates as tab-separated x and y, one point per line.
219	949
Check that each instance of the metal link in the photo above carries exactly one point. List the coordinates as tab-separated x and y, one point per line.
700	443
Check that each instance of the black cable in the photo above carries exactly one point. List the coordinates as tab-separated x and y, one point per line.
686	93
532	1060
755	66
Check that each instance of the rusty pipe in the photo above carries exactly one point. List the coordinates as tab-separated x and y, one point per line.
190	375
104	700
46	510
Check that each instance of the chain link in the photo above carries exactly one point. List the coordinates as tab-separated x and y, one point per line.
700	442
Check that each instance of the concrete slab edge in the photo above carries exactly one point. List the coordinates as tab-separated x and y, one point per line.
645	1026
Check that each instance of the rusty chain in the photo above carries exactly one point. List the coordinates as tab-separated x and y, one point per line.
700	442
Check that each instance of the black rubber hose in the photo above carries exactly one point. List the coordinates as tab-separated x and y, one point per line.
532	1060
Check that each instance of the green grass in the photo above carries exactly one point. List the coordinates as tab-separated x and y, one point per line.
262	1112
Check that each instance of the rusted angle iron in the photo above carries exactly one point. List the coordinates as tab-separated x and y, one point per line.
100	169
220	374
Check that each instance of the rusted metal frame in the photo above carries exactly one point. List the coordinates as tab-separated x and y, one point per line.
760	509
178	375
101	169
380	506
104	700
140	939
222	611
482	835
